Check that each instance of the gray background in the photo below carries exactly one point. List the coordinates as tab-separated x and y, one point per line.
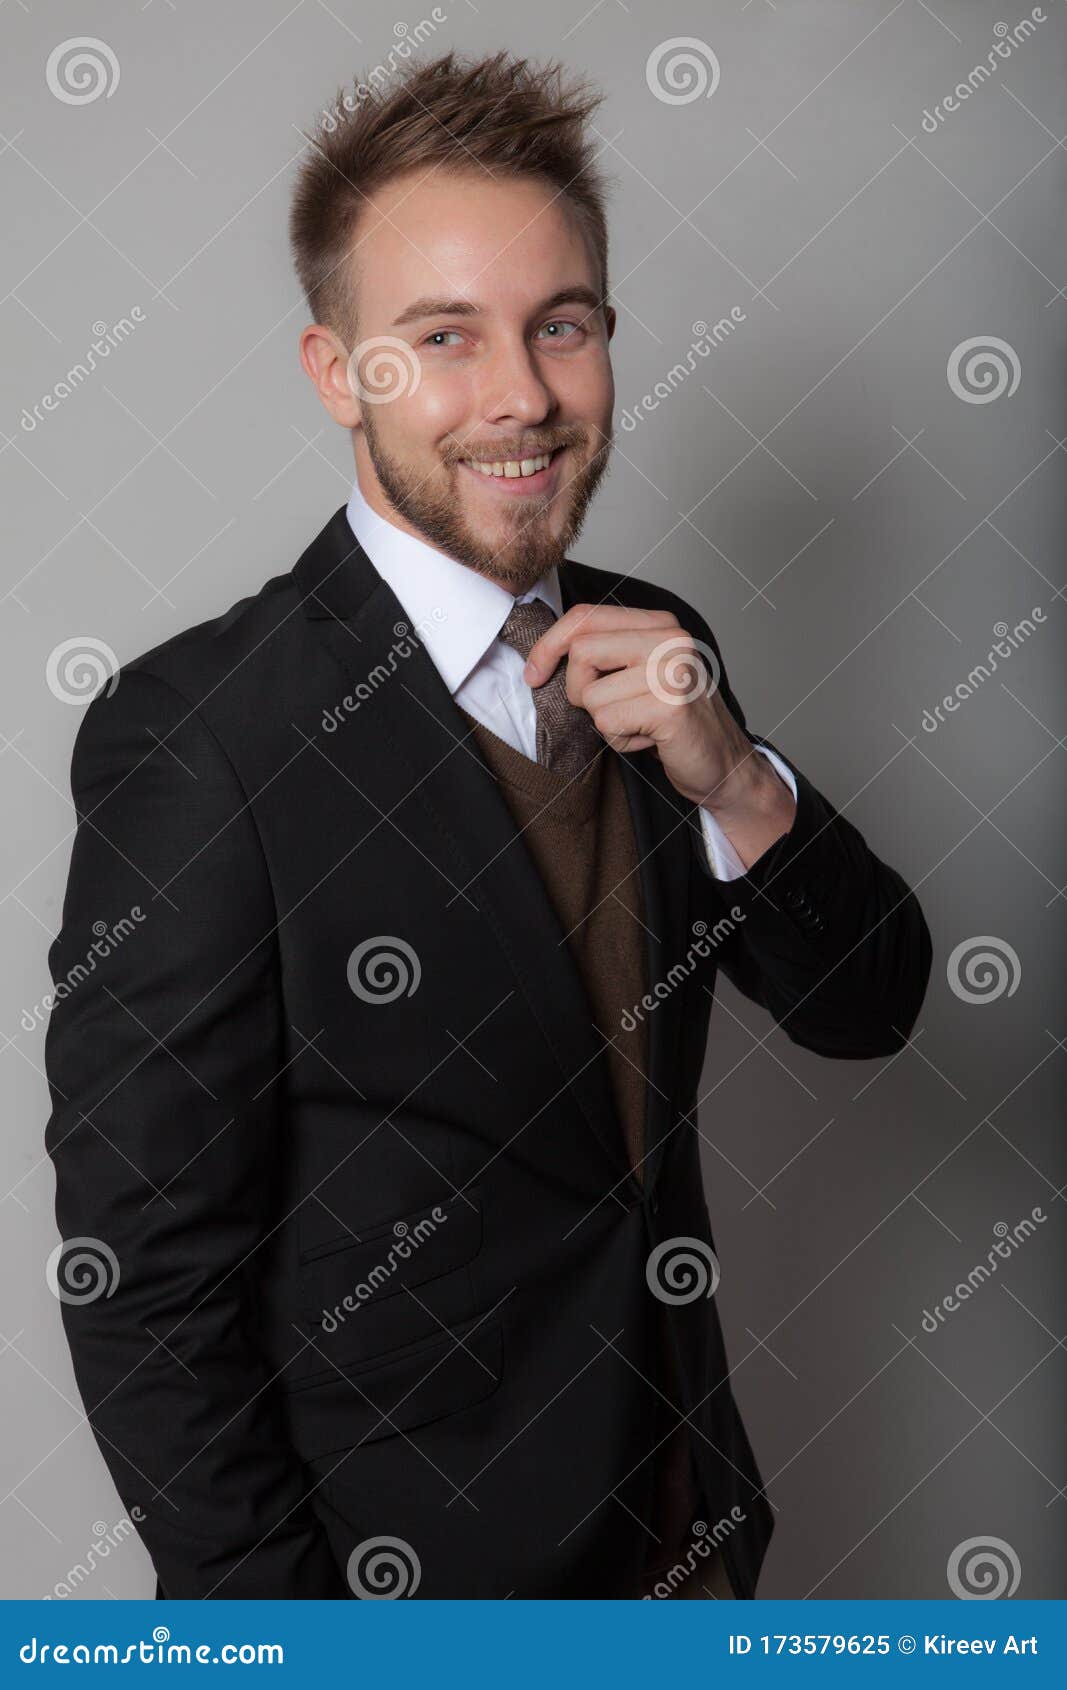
852	528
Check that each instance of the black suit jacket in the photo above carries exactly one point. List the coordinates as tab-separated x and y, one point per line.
261	1117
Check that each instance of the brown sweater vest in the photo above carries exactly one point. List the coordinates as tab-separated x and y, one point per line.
580	835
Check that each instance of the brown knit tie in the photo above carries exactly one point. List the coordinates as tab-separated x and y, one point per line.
567	740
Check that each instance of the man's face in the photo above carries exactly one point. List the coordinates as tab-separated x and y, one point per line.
518	367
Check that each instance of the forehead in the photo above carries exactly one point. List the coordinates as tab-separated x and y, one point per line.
504	241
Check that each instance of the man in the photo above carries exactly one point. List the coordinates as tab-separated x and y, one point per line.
386	1112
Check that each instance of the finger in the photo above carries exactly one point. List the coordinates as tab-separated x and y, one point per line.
610	688
625	718
591	656
546	652
630	742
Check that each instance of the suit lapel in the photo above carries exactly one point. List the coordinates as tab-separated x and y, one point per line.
421	745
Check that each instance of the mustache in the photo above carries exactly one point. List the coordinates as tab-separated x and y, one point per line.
495	451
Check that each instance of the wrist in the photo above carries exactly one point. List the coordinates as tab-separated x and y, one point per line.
753	790
755	811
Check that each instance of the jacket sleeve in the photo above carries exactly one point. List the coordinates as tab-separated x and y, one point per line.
163	1057
828	938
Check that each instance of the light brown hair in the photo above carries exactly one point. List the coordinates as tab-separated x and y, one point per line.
498	113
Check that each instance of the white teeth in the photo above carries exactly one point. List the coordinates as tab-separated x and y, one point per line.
512	466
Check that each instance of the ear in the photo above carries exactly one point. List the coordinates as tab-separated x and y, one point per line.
325	362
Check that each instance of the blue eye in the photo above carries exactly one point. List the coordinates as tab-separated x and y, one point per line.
439	337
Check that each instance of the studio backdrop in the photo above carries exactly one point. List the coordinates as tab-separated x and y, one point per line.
838	263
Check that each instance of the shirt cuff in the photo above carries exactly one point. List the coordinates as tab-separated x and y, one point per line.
723	860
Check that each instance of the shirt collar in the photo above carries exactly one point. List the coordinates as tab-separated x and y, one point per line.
454	611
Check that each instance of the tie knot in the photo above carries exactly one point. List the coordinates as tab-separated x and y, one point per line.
526	623
567	738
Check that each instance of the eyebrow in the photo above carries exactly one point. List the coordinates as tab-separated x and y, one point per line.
428	307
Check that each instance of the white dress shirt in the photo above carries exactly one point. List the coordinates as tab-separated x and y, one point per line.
457	614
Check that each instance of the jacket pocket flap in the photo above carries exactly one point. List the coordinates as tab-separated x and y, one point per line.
351	1273
345	1407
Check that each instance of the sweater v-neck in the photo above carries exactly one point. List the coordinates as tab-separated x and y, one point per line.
572	799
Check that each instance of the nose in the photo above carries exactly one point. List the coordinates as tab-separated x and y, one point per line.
513	393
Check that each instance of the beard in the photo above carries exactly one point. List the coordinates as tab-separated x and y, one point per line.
527	547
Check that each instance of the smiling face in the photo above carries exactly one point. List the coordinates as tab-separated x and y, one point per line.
485	293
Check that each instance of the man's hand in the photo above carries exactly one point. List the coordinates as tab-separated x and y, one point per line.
639	675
